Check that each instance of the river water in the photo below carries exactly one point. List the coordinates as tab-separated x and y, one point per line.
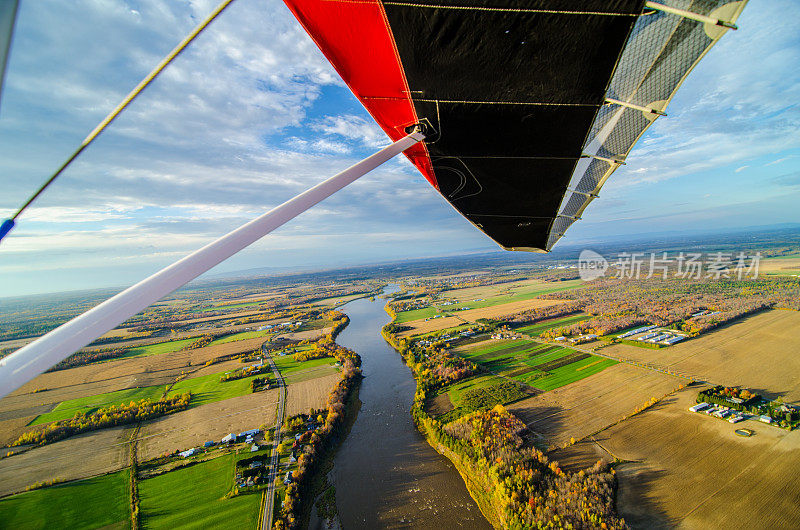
386	475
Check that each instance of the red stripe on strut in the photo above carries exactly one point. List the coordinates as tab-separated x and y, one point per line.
357	40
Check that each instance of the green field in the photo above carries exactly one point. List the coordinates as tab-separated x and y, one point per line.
572	372
519	293
476	393
534	330
91	503
240	336
287	365
457	390
451	331
193	497
518	360
158	348
204	389
232	306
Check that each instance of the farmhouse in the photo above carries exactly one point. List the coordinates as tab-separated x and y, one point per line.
250	433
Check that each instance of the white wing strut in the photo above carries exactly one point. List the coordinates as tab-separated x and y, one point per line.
33	359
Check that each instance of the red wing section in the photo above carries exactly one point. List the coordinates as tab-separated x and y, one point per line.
356	38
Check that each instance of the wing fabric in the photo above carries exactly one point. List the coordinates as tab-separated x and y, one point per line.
659	55
8	12
515	91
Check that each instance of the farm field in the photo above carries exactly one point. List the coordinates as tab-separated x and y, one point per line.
688	470
309	393
11	429
194	497
287	365
510	308
92	503
212	421
233	306
592	403
507	295
204	389
456	318
786	265
743	353
136	342
534	330
486	309
418	327
78	457
101	378
336	301
528	361
157	348
239	336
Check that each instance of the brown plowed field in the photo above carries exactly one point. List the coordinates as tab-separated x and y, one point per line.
308	394
588	405
761	352
193	427
421	326
510	308
77	457
690	470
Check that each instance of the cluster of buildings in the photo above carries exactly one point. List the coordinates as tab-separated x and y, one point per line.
268	327
654	335
735	416
725	413
447	338
506	335
704	313
580	339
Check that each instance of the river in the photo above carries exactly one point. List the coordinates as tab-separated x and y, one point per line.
385	473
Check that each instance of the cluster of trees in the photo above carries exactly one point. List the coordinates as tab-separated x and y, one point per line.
624	303
258	384
102	418
247	371
437	368
433	366
526	489
339	320
557	275
320	440
205	340
398	306
88	357
313	353
544	313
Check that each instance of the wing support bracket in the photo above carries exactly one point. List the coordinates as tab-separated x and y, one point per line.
584	193
692	16
641	108
611	161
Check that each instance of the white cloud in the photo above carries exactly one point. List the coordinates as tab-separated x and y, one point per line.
353	128
738	104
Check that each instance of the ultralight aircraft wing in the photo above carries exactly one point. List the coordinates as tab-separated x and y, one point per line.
530	104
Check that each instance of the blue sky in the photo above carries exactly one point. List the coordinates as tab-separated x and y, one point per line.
252	114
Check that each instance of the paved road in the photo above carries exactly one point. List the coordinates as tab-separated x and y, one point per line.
266	521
